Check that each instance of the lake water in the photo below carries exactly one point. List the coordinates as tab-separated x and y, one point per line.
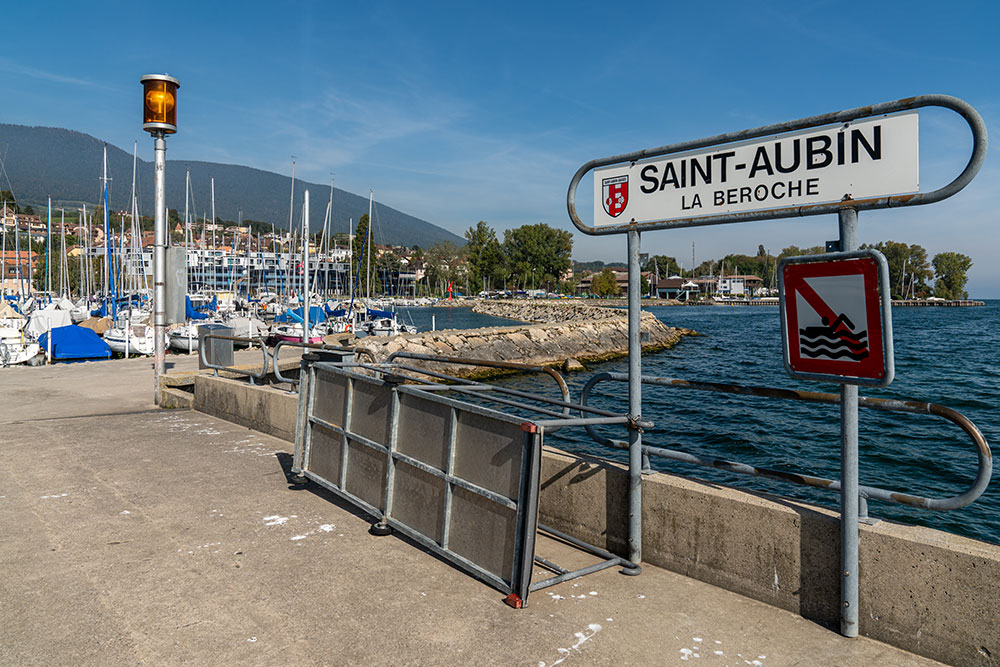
943	355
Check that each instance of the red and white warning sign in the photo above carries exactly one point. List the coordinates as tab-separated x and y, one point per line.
835	314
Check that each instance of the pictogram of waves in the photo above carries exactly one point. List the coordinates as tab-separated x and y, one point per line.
825	332
838	352
835	343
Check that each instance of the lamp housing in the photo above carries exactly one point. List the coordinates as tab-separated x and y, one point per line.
159	103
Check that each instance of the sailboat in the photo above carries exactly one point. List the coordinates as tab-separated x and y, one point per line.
131	332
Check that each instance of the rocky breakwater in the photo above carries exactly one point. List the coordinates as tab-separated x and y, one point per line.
576	335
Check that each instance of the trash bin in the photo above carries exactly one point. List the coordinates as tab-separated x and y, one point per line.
217	352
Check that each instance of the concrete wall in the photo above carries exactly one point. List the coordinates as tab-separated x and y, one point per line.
926	591
923	590
261	408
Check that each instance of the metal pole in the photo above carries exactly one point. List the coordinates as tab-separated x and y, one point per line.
849	469
634	403
48	254
159	261
305	268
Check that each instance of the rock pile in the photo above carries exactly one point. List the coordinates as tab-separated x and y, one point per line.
571	337
528	310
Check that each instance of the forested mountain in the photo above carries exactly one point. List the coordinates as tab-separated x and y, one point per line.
66	165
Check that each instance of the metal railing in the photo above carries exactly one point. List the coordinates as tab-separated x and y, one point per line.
294	382
983	473
253	375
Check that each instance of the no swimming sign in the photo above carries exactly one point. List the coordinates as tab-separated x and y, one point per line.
835	314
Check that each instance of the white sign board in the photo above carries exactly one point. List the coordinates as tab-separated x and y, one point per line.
866	158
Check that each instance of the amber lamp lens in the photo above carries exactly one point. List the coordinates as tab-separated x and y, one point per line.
160	103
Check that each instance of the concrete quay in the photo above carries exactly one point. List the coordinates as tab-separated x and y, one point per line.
134	535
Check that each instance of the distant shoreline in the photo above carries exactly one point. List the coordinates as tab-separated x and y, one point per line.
621	303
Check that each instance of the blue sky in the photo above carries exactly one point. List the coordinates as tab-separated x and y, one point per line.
459	112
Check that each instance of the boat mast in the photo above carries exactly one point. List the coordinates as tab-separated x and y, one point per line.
215	269
322	238
17	258
289	288
63	269
109	282
187	220
368	251
3	251
48	254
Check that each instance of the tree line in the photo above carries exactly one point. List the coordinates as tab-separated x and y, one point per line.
912	273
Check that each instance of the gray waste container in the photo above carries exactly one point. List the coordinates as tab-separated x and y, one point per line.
217	352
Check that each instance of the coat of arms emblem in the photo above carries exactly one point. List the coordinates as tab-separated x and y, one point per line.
615	191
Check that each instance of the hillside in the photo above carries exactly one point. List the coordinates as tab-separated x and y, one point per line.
44	161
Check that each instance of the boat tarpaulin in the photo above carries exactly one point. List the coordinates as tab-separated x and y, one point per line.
190	312
374	313
316	315
72	343
47	318
97	324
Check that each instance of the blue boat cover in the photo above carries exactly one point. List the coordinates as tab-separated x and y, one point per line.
334	312
315	315
375	313
75	343
190	312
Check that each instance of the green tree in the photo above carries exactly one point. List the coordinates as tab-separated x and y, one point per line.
568	286
6	196
663	265
28	210
795	251
442	266
487	265
909	269
538	251
365	258
950	270
605	284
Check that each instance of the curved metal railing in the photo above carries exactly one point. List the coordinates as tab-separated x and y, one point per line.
311	346
566	403
983	474
258	375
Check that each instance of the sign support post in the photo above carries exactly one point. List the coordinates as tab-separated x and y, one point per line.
849	469
634	403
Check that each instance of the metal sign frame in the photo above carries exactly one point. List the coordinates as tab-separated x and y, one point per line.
847	213
879	311
965	110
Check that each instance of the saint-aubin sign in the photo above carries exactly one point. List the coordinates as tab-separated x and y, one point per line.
870	157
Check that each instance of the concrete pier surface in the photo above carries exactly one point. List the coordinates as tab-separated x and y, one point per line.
133	535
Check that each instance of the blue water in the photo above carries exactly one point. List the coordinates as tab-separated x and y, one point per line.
943	355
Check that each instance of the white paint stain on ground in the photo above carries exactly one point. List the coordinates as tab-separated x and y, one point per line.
324	528
250	446
61	495
124	512
277	520
581	639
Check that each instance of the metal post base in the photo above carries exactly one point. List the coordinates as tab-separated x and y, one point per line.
380	529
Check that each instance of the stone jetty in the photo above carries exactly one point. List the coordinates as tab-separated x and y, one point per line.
554	334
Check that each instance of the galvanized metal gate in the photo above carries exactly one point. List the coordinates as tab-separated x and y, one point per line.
460	479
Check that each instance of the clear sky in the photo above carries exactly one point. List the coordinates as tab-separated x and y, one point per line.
459	112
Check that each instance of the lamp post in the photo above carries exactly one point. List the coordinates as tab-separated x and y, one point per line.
159	118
